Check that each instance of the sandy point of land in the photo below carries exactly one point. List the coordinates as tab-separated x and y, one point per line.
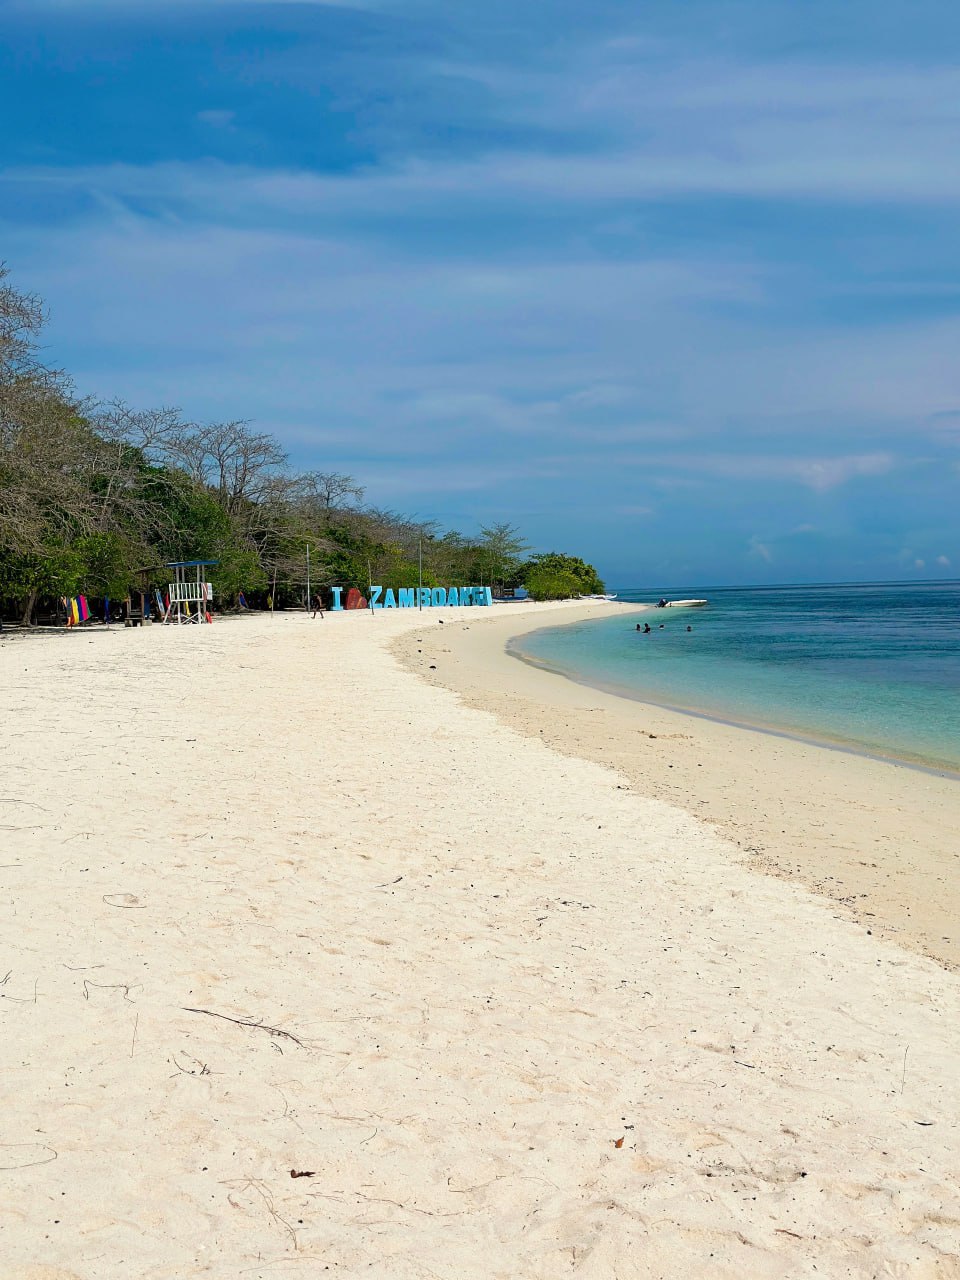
881	840
271	903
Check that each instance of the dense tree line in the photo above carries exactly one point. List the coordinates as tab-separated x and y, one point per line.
96	499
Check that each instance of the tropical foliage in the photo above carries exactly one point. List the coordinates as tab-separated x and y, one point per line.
557	577
97	499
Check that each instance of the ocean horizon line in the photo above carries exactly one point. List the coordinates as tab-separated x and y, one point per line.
789	586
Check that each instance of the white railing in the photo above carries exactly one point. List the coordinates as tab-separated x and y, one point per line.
190	592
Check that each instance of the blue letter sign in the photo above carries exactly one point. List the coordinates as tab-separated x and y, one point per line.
422	597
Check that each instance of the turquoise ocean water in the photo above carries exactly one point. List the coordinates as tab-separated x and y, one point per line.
873	668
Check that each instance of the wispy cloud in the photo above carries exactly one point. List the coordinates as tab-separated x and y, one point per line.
761	550
585	263
218	118
821	160
820	474
629	511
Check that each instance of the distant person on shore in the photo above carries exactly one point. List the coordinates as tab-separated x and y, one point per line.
317	606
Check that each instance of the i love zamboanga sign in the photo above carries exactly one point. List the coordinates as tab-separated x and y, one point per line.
420	597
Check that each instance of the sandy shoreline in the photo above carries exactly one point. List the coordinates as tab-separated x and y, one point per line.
881	840
517	647
513	1018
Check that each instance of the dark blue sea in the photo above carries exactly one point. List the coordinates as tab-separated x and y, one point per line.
874	668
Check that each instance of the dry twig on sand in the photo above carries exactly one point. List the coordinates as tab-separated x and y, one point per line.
204	1070
44	1153
255	1023
125	987
17	999
240	1185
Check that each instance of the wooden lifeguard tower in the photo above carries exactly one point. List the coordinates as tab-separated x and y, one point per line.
189	588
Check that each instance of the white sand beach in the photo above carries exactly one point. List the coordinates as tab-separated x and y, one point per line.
882	840
272	902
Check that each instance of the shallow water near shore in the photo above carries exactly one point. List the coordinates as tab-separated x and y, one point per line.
873	668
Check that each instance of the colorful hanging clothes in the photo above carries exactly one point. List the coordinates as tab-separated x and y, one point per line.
83	608
74	610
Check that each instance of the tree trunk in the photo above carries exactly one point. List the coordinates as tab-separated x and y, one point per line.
27	619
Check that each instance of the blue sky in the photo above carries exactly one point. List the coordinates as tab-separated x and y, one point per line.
674	286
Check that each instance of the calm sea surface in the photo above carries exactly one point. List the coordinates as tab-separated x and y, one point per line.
873	668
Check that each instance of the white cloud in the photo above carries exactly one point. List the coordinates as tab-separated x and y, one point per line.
337	342
660	122
820	474
217	118
919	564
644	121
943	561
651	316
405	318
658	128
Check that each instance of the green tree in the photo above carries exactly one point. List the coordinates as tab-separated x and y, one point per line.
499	553
554	576
98	499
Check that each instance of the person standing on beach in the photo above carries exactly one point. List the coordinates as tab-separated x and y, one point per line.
317	606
